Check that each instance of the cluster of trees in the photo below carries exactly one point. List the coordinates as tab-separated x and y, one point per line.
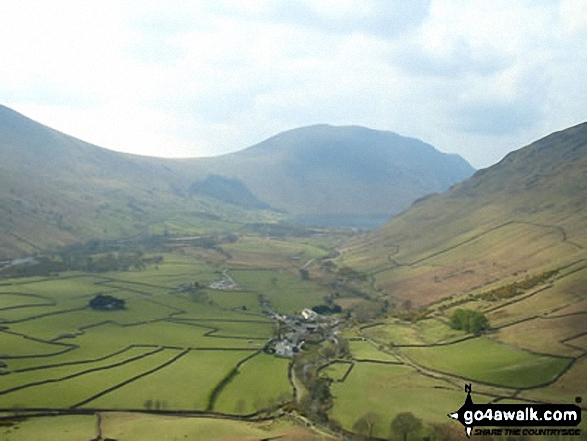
472	322
39	266
110	262
404	425
515	288
104	302
327	309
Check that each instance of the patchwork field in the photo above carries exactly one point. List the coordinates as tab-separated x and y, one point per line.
199	349
169	348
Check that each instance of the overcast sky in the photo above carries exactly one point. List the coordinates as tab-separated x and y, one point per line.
199	78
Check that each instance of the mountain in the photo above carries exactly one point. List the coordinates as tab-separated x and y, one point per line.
57	190
339	175
523	217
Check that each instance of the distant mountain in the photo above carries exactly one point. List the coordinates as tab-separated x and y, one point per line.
350	175
56	190
523	216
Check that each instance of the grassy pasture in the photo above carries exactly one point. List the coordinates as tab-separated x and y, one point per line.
54	326
163	333
364	350
172	271
235	300
395	332
387	390
260	329
198	310
398	332
15	300
130	427
105	339
19	346
260	381
486	360
69	392
16	379
286	293
185	384
260	252
65	286
57	428
335	371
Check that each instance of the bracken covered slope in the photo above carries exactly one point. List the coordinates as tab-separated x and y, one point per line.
524	215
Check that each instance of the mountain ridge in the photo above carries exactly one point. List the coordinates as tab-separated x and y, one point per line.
57	189
527	213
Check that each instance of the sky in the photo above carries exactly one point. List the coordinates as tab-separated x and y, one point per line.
201	78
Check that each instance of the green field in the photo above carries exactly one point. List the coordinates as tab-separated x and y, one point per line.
286	293
184	385
387	390
69	392
130	427
364	350
485	360
336	371
424	332
260	382
61	428
54	373
178	350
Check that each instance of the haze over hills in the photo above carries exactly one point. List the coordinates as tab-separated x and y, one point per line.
56	189
340	175
521	217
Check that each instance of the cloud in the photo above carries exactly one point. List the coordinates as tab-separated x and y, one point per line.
384	18
200	78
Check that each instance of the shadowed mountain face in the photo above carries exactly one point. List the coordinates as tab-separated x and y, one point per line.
56	189
340	174
522	216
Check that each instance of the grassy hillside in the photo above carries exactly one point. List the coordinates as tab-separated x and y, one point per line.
56	190
519	218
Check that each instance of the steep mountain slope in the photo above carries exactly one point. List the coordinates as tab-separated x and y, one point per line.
56	190
339	174
521	217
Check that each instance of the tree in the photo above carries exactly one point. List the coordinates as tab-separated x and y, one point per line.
472	322
407	305
447	432
304	274
404	424
365	425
